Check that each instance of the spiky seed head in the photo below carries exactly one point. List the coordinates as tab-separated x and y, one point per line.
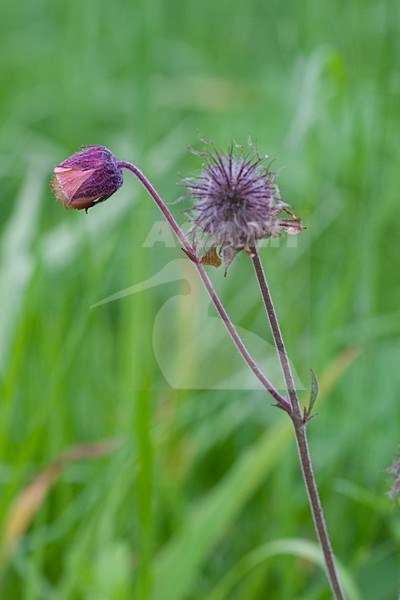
236	201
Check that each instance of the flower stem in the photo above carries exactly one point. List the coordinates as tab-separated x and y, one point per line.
299	425
192	254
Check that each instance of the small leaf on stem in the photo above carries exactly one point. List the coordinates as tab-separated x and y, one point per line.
313	396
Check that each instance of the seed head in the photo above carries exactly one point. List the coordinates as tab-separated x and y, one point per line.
86	178
394	471
236	201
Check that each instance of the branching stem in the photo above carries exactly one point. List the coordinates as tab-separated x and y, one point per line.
291	406
299	425
192	254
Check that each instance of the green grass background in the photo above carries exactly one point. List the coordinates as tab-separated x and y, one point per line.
202	497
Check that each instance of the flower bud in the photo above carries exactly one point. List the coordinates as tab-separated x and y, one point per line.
86	178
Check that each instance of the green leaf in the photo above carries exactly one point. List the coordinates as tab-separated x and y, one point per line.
313	392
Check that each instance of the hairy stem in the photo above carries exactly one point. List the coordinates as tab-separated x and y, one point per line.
299	425
192	254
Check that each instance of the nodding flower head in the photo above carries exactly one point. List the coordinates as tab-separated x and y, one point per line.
236	201
86	178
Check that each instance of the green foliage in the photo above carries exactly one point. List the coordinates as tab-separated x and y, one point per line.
201	496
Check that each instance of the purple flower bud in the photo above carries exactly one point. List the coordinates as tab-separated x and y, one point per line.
86	178
236	201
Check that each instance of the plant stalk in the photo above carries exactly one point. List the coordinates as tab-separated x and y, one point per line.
299	425
192	254
292	407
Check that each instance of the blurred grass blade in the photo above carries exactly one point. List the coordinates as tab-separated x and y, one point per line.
307	108
336	368
16	262
25	506
179	562
303	549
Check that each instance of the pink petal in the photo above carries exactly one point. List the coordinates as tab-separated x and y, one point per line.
71	179
58	193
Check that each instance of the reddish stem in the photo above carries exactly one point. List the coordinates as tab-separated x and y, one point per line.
192	254
299	425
